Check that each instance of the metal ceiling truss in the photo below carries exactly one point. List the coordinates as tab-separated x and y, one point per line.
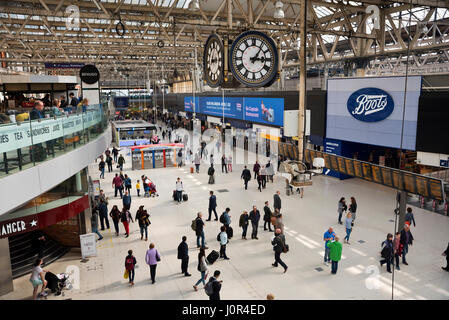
35	31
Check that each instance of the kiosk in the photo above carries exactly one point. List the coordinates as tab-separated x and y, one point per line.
155	155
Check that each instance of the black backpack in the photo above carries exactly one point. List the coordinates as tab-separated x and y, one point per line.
222	218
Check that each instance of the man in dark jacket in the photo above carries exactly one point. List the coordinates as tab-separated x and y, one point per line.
103	210
278	247
446	254
199	231
246	176
267	217
216	286
256	169
212	206
183	254
406	240
277	201
387	252
211	172
254	216
127	201
223	164
36	112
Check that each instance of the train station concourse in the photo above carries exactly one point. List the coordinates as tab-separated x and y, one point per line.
235	150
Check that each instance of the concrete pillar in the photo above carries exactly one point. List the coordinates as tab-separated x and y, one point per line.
402	199
6	284
79	185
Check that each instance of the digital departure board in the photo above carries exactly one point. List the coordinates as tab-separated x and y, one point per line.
428	187
349	167
366	167
341	164
358	169
377	177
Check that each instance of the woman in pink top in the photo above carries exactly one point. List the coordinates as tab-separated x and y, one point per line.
151	258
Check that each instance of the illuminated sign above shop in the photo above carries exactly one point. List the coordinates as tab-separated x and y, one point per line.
370	104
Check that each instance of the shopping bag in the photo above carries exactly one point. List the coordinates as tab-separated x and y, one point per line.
126	274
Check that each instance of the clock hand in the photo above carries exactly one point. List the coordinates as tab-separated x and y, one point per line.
256	56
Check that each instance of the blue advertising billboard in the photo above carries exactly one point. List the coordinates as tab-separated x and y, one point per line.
264	110
261	110
188	104
217	106
121	102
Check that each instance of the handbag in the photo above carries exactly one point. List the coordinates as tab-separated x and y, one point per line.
158	258
126	274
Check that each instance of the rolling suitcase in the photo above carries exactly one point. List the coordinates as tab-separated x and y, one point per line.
185	197
212	257
230	232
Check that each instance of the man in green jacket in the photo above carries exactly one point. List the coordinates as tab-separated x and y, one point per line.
121	161
335	253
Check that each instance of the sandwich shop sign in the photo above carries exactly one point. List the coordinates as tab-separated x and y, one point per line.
370	104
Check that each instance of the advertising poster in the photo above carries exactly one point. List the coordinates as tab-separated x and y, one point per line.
264	110
214	106
190	106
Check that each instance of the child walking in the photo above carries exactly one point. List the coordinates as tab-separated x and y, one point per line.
138	188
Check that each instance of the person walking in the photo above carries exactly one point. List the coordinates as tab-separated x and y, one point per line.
197	162
212	206
117	184
348	226
446	254
243	223
103	212
341	207
115	214
202	268
223	164
406	241
38	278
101	167
121	162
152	258
143	218
223	238
179	189
115	153
256	169
279	247
128	184
214	286
409	217
270	171
397	249
212	158
130	263
259	182
126	217
229	162
353	209
387	252
246	176
267	217
335	253
183	255
126	200
279	224
199	231
225	218
277	201
138	188
263	175
329	235
109	162
210	173
94	222
254	216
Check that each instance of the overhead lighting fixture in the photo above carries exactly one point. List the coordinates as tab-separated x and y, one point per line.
279	13
194	5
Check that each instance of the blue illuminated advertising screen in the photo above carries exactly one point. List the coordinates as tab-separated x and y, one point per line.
264	110
188	104
217	106
261	110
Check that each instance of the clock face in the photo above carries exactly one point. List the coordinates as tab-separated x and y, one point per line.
254	59
213	61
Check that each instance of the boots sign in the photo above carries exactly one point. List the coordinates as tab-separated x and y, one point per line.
89	74
370	104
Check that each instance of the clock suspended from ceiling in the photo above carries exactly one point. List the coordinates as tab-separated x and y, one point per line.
213	61
254	59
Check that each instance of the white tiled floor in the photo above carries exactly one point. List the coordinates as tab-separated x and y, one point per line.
249	274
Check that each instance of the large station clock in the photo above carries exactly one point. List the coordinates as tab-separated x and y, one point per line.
213	61
254	59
